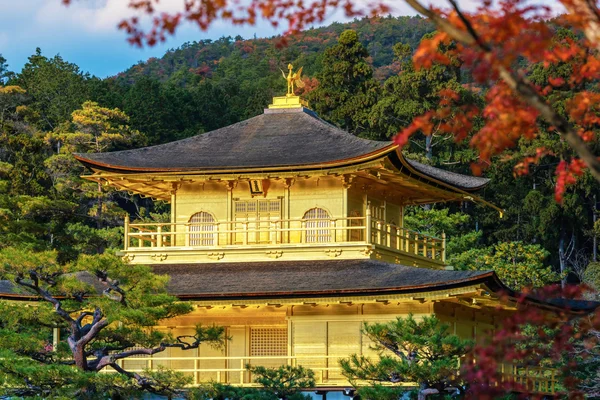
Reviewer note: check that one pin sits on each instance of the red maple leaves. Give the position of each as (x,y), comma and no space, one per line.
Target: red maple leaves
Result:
(496,43)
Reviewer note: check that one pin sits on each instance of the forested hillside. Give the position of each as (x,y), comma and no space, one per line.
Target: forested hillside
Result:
(360,79)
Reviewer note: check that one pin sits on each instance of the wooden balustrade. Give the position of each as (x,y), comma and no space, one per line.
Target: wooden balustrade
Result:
(232,370)
(221,234)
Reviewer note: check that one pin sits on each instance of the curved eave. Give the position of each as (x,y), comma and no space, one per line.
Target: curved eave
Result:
(96,165)
(480,279)
(489,280)
(406,165)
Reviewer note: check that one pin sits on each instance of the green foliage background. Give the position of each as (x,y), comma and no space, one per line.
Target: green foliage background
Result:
(362,79)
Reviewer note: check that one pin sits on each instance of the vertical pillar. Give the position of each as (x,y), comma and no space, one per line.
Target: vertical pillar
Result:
(173,227)
(55,338)
(368,237)
(444,247)
(346,184)
(286,209)
(229,226)
(126,236)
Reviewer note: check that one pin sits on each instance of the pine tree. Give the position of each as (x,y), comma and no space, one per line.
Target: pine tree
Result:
(346,90)
(422,352)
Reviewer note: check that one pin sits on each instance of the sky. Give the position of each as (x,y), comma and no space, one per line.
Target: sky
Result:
(86,33)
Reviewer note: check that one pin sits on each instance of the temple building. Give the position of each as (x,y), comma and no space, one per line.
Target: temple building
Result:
(290,232)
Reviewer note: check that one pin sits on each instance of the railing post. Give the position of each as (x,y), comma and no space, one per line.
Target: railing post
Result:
(407,241)
(273,232)
(126,228)
(334,236)
(187,235)
(245,232)
(388,234)
(425,246)
(159,238)
(416,243)
(242,371)
(216,234)
(303,231)
(196,371)
(368,227)
(443,247)
(379,229)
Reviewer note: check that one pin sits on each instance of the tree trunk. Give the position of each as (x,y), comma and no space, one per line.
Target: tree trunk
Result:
(562,256)
(425,391)
(429,147)
(595,238)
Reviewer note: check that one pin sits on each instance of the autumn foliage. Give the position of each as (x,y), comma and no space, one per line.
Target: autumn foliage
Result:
(492,42)
(559,339)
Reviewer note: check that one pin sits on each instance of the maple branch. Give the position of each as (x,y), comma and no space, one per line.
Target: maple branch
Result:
(518,84)
(588,11)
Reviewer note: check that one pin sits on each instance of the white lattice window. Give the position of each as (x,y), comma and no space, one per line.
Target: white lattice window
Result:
(318,224)
(256,215)
(268,341)
(202,229)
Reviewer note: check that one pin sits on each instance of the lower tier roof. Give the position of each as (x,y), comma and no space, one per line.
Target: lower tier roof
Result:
(302,278)
(306,279)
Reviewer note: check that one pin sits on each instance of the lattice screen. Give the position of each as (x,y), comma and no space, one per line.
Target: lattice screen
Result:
(268,342)
(321,220)
(203,223)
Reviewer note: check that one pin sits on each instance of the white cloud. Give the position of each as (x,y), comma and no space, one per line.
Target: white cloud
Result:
(98,16)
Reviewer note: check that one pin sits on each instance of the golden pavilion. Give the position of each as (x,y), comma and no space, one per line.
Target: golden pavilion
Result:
(289,232)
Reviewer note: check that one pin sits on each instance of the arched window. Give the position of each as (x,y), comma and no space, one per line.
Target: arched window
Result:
(202,229)
(318,222)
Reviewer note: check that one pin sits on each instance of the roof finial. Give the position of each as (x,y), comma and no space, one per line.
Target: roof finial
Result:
(292,78)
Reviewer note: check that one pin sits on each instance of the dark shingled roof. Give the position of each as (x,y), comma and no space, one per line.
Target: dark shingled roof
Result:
(462,181)
(268,279)
(276,139)
(294,279)
(273,139)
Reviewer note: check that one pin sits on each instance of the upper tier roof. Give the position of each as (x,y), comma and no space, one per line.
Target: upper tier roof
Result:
(291,137)
(278,139)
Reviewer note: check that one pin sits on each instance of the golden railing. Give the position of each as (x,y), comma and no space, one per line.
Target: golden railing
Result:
(232,370)
(223,234)
(533,379)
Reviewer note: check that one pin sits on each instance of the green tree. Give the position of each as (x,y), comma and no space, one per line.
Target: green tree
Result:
(106,308)
(346,90)
(518,265)
(284,382)
(423,352)
(5,74)
(458,227)
(55,87)
(93,129)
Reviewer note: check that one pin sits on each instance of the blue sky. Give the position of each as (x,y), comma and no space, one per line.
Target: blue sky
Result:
(86,33)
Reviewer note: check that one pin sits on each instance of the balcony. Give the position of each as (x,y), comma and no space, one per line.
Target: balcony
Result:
(232,370)
(283,239)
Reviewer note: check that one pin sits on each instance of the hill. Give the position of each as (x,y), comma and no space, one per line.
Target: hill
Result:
(208,58)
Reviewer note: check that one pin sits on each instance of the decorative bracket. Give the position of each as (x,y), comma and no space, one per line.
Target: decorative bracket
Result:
(333,252)
(159,256)
(288,182)
(367,252)
(274,254)
(216,256)
(347,181)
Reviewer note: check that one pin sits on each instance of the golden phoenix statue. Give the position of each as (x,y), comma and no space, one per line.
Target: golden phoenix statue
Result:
(293,79)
